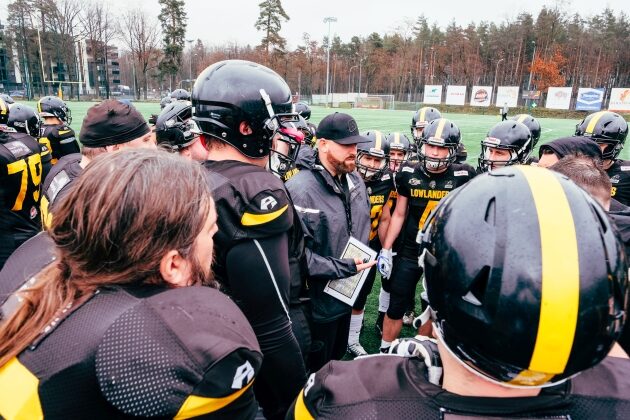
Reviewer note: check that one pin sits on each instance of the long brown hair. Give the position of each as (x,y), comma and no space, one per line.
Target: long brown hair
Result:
(121,216)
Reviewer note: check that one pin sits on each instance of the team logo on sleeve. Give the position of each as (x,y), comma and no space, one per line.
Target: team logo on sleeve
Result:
(244,374)
(415,181)
(268,203)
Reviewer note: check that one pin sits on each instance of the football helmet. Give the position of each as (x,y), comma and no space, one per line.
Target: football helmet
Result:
(512,136)
(165,101)
(303,109)
(180,95)
(524,298)
(606,128)
(4,112)
(397,141)
(375,149)
(440,133)
(232,92)
(52,106)
(7,99)
(461,154)
(531,123)
(420,119)
(174,127)
(24,119)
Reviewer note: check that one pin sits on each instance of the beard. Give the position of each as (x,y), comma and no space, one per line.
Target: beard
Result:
(200,275)
(342,166)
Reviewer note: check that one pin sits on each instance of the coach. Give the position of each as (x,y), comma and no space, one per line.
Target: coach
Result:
(333,205)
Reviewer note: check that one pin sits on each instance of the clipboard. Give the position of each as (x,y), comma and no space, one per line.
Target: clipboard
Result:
(347,289)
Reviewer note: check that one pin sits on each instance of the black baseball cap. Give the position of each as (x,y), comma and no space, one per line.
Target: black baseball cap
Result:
(565,146)
(340,128)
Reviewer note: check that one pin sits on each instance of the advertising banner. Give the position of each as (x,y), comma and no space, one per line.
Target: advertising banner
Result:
(480,96)
(589,99)
(619,99)
(558,98)
(432,94)
(507,94)
(455,95)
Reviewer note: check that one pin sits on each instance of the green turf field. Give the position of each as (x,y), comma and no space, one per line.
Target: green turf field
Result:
(473,127)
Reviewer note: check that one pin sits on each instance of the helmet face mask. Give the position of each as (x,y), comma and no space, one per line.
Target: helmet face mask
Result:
(507,136)
(605,128)
(24,119)
(287,139)
(174,127)
(397,148)
(52,106)
(443,136)
(433,163)
(371,164)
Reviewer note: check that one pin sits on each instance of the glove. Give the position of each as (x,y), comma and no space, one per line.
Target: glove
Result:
(424,348)
(385,263)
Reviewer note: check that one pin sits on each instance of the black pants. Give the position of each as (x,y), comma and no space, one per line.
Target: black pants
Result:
(301,329)
(503,117)
(405,276)
(330,340)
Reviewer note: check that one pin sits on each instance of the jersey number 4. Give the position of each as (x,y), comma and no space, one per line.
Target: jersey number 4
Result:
(427,211)
(34,167)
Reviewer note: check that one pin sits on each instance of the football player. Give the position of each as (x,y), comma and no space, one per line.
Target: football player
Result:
(420,119)
(379,181)
(233,104)
(21,174)
(398,150)
(55,132)
(524,323)
(507,143)
(180,95)
(534,127)
(24,119)
(609,130)
(420,188)
(177,132)
(110,328)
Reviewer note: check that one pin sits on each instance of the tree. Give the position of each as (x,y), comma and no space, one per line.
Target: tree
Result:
(271,12)
(548,72)
(99,31)
(173,19)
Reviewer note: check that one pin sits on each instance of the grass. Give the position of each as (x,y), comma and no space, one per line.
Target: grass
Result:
(473,128)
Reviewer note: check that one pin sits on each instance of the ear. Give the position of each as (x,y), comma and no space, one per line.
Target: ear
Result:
(245,129)
(322,145)
(174,269)
(112,148)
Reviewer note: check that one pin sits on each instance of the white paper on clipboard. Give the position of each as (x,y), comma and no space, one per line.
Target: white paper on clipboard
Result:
(347,289)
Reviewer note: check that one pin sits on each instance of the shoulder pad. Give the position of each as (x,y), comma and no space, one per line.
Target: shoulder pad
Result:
(59,181)
(18,149)
(185,340)
(407,169)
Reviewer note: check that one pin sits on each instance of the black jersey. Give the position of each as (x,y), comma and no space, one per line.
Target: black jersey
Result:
(61,140)
(379,192)
(424,190)
(619,174)
(138,352)
(20,179)
(57,183)
(391,387)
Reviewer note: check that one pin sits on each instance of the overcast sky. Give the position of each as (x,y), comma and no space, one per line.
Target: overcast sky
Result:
(220,21)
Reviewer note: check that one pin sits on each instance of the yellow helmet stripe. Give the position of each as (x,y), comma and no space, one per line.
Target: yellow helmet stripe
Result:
(251,219)
(379,139)
(440,128)
(39,106)
(591,124)
(397,137)
(560,273)
(3,108)
(422,112)
(522,118)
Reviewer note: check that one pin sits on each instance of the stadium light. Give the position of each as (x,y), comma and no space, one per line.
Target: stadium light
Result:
(494,86)
(328,20)
(529,83)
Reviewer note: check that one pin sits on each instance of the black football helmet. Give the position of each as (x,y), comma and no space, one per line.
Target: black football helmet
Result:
(420,119)
(24,119)
(441,133)
(397,141)
(606,128)
(506,135)
(174,127)
(165,101)
(4,112)
(7,99)
(52,106)
(461,154)
(180,95)
(531,123)
(231,92)
(303,109)
(524,298)
(376,149)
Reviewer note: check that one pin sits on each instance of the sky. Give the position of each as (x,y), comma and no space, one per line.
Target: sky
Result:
(218,22)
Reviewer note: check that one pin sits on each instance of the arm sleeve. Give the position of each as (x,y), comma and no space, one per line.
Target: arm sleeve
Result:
(328,268)
(259,279)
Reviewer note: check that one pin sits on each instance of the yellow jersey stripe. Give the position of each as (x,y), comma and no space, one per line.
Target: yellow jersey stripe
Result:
(560,273)
(19,396)
(440,128)
(3,109)
(591,124)
(250,219)
(301,412)
(196,406)
(62,132)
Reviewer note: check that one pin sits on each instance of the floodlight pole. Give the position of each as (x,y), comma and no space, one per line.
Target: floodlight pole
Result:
(328,20)
(494,86)
(190,41)
(349,76)
(529,82)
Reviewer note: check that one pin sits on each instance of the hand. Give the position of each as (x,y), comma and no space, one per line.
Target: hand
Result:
(424,348)
(385,262)
(362,266)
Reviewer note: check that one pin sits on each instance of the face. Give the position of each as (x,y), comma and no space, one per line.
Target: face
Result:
(372,163)
(145,142)
(433,153)
(341,157)
(547,159)
(498,156)
(396,158)
(417,132)
(195,151)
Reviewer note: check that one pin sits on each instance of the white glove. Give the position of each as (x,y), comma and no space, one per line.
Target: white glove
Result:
(424,348)
(385,262)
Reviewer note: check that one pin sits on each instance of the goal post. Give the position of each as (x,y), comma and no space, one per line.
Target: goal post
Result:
(375,102)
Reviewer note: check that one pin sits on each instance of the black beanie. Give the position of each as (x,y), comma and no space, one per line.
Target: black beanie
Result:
(112,122)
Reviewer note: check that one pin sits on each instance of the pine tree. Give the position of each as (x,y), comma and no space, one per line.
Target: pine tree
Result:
(271,12)
(173,20)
